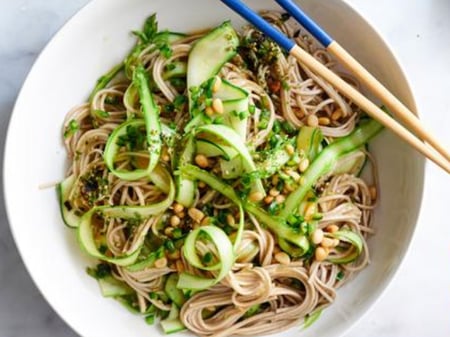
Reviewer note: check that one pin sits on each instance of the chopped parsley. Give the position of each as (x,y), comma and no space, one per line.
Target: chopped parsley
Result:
(71,128)
(101,271)
(101,113)
(134,138)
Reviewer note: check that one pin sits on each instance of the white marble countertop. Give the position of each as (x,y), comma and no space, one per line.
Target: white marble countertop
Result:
(415,304)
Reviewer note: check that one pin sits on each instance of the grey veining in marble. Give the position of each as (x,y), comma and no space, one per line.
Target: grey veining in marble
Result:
(417,302)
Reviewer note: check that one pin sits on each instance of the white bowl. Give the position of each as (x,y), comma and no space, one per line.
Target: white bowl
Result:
(88,45)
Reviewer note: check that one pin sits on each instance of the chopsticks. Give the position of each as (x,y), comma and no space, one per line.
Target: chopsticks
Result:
(433,150)
(380,91)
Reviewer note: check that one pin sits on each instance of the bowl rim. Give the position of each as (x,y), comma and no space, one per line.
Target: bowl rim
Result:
(86,7)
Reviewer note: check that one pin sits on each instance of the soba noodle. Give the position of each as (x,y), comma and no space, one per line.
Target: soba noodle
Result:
(267,290)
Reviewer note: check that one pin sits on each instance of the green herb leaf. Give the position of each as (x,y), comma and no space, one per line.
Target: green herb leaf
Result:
(150,27)
(101,113)
(71,128)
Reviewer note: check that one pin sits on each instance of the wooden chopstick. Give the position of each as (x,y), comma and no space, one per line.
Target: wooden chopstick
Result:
(347,90)
(375,86)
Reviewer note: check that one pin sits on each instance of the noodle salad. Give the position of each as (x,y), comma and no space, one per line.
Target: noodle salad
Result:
(216,181)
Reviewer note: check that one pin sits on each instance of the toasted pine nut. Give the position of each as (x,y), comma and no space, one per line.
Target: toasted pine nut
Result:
(217,105)
(317,236)
(312,121)
(201,160)
(290,149)
(161,263)
(196,214)
(283,258)
(327,242)
(168,231)
(304,164)
(209,111)
(256,196)
(302,181)
(230,220)
(274,192)
(268,200)
(177,208)
(321,253)
(332,228)
(175,255)
(310,211)
(205,222)
(175,221)
(280,199)
(217,84)
(336,114)
(324,121)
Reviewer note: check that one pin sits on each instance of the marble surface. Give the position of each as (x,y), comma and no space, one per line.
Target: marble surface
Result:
(415,304)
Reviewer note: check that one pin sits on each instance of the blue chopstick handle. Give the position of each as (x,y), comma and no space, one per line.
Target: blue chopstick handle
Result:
(240,8)
(306,22)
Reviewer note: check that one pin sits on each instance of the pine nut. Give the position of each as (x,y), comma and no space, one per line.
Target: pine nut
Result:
(317,236)
(336,243)
(268,200)
(201,160)
(196,214)
(175,221)
(283,258)
(336,114)
(168,231)
(290,149)
(205,222)
(294,175)
(289,188)
(324,121)
(256,196)
(230,220)
(327,242)
(161,263)
(177,208)
(310,211)
(274,192)
(217,84)
(302,181)
(201,184)
(304,164)
(321,253)
(175,255)
(312,121)
(217,105)
(332,228)
(209,111)
(280,199)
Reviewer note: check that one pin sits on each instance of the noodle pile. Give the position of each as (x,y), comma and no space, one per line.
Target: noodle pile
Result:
(267,291)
